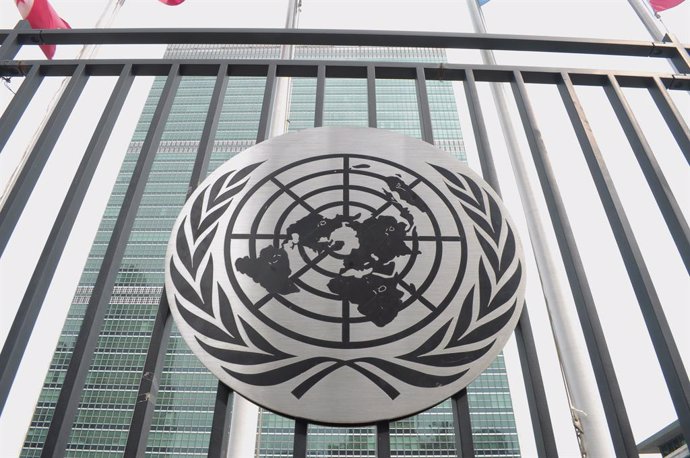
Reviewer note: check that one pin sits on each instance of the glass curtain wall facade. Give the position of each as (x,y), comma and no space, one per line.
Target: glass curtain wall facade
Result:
(184,408)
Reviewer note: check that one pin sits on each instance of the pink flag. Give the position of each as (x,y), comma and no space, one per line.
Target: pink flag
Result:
(41,15)
(661,5)
(172,2)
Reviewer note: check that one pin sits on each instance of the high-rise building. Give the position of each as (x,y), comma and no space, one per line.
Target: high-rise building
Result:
(183,413)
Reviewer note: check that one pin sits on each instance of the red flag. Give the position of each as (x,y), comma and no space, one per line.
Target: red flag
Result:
(172,2)
(41,15)
(661,5)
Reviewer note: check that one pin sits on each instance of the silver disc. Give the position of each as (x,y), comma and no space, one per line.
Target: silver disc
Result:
(345,275)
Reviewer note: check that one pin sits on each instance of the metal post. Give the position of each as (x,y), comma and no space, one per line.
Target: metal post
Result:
(18,104)
(616,417)
(383,439)
(579,380)
(461,412)
(645,17)
(266,105)
(281,94)
(671,114)
(155,357)
(140,424)
(243,428)
(662,338)
(208,135)
(544,437)
(462,425)
(299,445)
(30,307)
(665,199)
(245,415)
(371,95)
(481,136)
(681,61)
(220,428)
(19,194)
(85,345)
(529,361)
(423,107)
(320,94)
(11,45)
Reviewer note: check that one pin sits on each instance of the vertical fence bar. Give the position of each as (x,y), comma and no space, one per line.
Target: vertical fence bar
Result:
(609,391)
(672,116)
(220,428)
(544,437)
(371,95)
(299,444)
(383,439)
(28,177)
(681,61)
(30,307)
(481,135)
(11,45)
(73,384)
(208,135)
(461,408)
(241,404)
(18,104)
(320,95)
(461,412)
(144,406)
(145,402)
(462,425)
(529,360)
(423,106)
(665,346)
(267,105)
(665,199)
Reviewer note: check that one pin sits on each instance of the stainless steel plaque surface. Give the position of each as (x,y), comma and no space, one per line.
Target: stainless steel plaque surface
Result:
(345,275)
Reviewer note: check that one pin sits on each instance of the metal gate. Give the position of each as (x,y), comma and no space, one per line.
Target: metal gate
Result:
(565,80)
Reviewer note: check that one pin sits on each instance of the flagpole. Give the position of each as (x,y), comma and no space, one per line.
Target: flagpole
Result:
(281,94)
(589,420)
(244,423)
(87,51)
(652,22)
(105,20)
(647,19)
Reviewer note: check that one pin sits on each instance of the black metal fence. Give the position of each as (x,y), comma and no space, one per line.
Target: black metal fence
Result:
(565,80)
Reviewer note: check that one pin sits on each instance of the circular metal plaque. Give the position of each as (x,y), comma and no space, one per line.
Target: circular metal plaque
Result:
(345,275)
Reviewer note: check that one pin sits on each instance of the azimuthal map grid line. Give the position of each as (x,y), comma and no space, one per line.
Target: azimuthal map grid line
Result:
(292,194)
(317,259)
(346,214)
(412,291)
(421,238)
(314,229)
(346,321)
(345,204)
(240,236)
(389,203)
(346,186)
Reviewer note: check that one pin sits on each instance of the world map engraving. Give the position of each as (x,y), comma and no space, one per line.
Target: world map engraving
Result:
(368,276)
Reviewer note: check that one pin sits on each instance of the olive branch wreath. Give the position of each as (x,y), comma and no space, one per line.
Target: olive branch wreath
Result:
(499,280)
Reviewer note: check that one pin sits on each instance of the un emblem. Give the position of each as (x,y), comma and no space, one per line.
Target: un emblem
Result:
(345,275)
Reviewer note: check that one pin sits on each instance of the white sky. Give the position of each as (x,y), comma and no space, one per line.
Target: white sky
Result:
(643,389)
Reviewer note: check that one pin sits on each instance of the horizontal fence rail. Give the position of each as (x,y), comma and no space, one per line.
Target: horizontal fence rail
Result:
(343,38)
(658,84)
(349,69)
